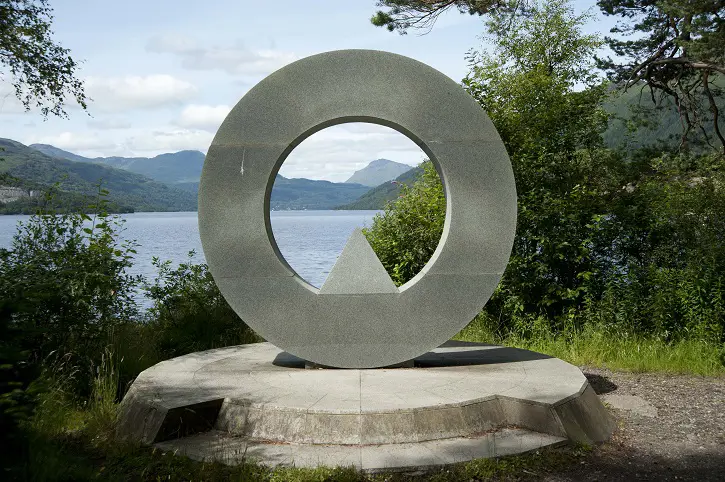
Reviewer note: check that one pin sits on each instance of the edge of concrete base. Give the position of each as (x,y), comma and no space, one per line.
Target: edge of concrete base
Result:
(406,457)
(582,418)
(148,416)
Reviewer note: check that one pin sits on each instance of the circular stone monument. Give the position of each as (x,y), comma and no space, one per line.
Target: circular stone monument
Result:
(454,401)
(358,318)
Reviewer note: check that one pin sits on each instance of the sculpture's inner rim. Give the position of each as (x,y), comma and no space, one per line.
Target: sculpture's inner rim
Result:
(346,120)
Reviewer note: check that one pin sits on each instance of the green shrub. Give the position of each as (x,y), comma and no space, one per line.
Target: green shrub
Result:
(405,236)
(64,286)
(189,313)
(635,244)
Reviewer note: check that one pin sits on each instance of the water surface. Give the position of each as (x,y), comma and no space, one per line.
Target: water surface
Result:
(309,240)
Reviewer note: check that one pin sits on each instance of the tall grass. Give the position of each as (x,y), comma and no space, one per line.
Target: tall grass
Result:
(608,347)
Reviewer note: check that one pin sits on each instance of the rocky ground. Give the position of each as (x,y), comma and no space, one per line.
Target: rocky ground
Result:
(670,428)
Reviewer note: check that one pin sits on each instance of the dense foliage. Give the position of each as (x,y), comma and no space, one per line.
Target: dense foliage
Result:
(406,236)
(602,239)
(64,286)
(71,333)
(189,313)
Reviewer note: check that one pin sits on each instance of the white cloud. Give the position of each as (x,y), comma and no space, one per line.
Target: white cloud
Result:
(137,92)
(109,123)
(235,59)
(129,143)
(169,140)
(205,117)
(336,152)
(75,142)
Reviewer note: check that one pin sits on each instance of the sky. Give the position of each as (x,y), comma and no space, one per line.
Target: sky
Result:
(163,74)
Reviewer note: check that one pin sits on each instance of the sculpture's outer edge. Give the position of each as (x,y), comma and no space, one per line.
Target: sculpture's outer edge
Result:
(354,330)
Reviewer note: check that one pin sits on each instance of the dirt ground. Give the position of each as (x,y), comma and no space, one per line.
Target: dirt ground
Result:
(670,428)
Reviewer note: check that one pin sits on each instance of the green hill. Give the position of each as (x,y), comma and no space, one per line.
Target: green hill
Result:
(169,168)
(378,172)
(29,169)
(378,197)
(310,194)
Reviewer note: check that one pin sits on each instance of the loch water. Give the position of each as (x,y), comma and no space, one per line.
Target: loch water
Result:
(310,241)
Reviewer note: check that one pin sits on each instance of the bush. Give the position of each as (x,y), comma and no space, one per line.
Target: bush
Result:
(405,236)
(189,313)
(64,287)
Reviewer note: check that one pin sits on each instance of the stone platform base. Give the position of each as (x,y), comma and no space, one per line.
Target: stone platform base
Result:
(458,402)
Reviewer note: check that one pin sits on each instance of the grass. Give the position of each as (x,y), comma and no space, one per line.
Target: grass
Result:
(616,350)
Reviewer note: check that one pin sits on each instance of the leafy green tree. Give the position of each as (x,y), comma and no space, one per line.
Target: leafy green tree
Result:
(64,286)
(632,244)
(405,236)
(42,73)
(676,49)
(539,90)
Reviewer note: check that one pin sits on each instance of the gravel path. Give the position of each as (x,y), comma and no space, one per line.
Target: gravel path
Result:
(670,428)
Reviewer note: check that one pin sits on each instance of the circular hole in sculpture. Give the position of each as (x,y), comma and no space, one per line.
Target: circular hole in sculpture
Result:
(349,176)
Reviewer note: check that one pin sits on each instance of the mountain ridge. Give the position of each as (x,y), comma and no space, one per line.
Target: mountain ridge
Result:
(169,168)
(378,172)
(182,170)
(31,170)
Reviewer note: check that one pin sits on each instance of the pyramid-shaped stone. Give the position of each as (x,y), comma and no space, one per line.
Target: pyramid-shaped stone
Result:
(358,270)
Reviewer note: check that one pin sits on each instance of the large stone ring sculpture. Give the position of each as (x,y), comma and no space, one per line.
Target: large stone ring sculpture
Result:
(358,318)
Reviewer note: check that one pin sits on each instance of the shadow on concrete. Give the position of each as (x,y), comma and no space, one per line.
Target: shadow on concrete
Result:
(600,384)
(449,357)
(485,355)
(288,360)
(188,420)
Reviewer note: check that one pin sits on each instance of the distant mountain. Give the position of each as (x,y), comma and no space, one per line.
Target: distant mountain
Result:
(171,168)
(663,127)
(378,197)
(182,170)
(32,171)
(378,172)
(309,194)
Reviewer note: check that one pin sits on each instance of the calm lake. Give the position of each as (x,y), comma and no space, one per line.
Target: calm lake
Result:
(309,240)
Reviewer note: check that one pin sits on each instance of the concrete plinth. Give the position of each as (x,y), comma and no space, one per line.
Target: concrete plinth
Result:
(458,402)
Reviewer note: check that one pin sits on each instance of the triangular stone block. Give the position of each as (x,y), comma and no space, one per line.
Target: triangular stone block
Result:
(358,270)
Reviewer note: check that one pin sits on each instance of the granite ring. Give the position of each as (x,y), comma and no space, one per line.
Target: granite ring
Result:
(357,329)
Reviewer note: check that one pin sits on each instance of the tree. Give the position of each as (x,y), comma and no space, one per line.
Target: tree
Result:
(678,52)
(539,89)
(41,72)
(405,236)
(402,15)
